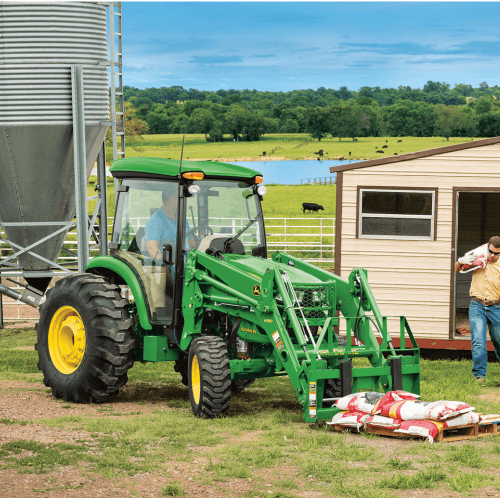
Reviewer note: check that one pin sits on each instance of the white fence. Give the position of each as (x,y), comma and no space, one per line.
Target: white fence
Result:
(310,239)
(306,238)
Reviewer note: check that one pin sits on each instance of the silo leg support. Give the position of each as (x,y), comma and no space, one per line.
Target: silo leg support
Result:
(345,377)
(397,374)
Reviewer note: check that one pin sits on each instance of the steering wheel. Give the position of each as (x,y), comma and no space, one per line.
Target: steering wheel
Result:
(198,228)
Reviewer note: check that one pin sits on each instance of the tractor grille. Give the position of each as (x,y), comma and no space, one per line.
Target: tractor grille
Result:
(316,300)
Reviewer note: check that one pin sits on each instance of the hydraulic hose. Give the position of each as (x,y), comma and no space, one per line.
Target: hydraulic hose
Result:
(233,334)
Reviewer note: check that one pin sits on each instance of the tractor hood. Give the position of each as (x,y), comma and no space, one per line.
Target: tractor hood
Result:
(256,266)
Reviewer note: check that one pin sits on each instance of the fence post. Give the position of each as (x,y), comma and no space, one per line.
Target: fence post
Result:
(284,228)
(1,312)
(321,238)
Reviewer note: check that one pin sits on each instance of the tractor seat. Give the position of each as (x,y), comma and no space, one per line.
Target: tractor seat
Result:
(216,242)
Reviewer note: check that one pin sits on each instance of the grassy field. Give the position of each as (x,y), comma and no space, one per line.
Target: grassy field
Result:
(263,448)
(285,146)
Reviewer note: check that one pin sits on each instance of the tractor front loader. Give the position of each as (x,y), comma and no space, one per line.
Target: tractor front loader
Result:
(189,243)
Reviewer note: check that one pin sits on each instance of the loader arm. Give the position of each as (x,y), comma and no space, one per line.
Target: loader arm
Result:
(292,324)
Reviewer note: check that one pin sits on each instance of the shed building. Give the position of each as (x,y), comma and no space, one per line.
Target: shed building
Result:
(407,219)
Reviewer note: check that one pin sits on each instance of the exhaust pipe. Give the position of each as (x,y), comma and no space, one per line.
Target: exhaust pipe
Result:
(30,296)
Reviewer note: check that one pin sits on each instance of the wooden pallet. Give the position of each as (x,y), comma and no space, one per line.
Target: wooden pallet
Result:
(487,427)
(454,434)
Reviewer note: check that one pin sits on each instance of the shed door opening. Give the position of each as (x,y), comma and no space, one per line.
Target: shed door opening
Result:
(477,222)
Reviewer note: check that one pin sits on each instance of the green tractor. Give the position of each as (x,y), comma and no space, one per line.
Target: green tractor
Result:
(189,243)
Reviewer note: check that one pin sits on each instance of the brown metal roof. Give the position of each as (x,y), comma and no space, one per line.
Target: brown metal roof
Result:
(418,154)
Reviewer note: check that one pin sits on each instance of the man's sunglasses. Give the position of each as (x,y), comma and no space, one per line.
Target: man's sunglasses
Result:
(492,252)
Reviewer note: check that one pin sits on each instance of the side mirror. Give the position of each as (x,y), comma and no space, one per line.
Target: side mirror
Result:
(167,254)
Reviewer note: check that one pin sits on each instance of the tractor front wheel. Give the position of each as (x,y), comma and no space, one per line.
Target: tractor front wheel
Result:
(209,377)
(84,339)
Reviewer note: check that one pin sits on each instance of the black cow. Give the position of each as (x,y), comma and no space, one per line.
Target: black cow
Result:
(384,146)
(311,206)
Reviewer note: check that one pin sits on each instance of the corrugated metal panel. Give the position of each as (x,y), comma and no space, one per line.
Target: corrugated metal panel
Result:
(38,44)
(413,277)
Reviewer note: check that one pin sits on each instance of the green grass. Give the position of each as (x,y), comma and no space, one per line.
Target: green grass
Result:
(422,479)
(264,433)
(173,489)
(287,146)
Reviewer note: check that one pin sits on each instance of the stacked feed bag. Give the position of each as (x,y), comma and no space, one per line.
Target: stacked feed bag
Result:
(402,412)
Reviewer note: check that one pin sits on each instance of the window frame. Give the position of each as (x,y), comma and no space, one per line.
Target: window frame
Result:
(433,217)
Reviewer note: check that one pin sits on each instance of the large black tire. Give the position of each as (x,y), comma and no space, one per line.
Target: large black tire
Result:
(240,385)
(85,339)
(209,377)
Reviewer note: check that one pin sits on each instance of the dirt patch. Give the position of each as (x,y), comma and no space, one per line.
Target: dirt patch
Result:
(492,395)
(26,324)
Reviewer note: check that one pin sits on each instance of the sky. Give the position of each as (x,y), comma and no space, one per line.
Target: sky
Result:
(284,46)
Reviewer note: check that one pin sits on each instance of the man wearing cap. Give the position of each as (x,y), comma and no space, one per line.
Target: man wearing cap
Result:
(484,309)
(161,228)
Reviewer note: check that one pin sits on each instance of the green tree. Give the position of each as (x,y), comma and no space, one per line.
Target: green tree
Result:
(235,119)
(317,122)
(446,119)
(483,105)
(201,121)
(290,126)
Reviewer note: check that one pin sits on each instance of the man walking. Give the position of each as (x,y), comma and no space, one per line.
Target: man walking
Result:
(484,309)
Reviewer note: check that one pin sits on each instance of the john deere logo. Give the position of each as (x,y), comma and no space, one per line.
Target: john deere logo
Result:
(256,290)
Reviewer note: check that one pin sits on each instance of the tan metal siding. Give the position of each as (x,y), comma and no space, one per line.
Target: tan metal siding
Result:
(410,277)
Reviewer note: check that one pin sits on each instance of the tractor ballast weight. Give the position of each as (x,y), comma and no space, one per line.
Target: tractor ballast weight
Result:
(190,244)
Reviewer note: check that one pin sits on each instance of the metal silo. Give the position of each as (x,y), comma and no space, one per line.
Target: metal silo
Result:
(54,114)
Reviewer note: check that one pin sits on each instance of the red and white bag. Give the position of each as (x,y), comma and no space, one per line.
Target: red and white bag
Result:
(405,410)
(423,428)
(360,401)
(444,410)
(393,397)
(383,422)
(464,419)
(354,419)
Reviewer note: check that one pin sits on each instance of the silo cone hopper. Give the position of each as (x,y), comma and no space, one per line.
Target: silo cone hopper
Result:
(38,185)
(42,44)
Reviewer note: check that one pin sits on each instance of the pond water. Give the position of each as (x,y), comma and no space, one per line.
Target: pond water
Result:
(287,171)
(294,171)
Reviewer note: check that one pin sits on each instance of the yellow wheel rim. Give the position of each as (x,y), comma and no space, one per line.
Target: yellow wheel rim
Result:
(195,379)
(66,339)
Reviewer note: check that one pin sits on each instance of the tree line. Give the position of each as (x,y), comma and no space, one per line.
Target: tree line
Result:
(437,109)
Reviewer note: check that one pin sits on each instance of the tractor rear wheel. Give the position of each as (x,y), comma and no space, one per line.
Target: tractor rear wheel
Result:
(84,339)
(209,377)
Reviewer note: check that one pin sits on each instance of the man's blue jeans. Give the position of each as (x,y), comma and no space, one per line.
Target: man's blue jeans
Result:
(481,316)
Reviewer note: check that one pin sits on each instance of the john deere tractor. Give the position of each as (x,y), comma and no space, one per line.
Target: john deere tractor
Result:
(189,243)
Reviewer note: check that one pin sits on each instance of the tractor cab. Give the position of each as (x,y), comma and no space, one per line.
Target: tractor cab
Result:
(162,213)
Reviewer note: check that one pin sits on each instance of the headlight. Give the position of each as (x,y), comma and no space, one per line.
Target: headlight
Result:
(262,190)
(194,189)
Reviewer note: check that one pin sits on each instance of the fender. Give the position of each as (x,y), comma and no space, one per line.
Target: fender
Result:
(123,270)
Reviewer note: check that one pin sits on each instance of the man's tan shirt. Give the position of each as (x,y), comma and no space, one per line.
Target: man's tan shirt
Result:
(486,282)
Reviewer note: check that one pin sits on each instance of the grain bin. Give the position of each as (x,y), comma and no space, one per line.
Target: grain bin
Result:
(40,43)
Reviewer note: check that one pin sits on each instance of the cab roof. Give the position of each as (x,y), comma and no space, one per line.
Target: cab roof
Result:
(159,167)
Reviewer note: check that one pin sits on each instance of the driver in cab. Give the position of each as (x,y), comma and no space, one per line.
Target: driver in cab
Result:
(161,228)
